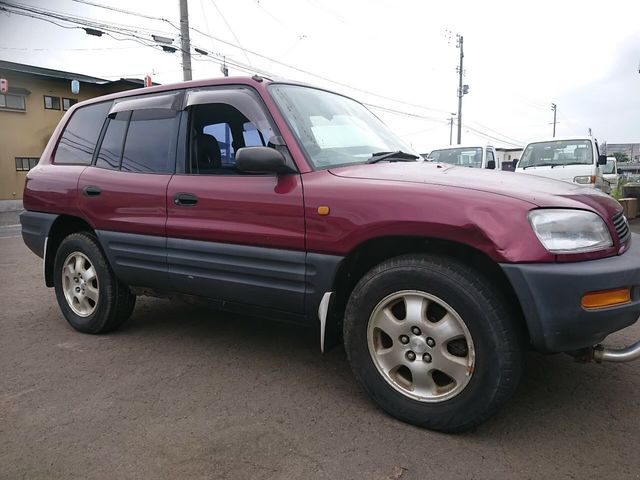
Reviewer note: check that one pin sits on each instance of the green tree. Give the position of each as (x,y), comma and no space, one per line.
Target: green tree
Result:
(621,157)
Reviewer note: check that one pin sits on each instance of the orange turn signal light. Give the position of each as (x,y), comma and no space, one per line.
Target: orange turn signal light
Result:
(606,298)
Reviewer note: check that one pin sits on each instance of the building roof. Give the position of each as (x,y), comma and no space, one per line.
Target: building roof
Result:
(62,75)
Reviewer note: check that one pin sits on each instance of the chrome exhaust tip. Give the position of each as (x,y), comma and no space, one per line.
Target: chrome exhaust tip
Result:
(619,355)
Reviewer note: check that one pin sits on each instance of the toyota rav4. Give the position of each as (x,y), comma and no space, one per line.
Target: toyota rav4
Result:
(286,201)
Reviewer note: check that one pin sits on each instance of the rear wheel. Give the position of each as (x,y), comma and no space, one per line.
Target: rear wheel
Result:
(91,298)
(432,343)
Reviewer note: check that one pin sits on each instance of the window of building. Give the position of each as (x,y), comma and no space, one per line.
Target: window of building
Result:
(150,146)
(24,164)
(111,147)
(81,134)
(67,103)
(51,103)
(12,101)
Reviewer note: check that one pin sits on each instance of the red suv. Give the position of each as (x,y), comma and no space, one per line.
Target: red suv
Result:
(292,202)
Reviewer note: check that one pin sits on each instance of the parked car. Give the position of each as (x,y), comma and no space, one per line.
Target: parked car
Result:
(474,156)
(610,173)
(292,202)
(575,160)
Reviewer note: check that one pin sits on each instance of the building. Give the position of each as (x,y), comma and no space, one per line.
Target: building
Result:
(631,150)
(36,100)
(506,155)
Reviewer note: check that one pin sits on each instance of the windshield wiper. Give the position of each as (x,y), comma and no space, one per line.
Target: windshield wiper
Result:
(539,165)
(397,156)
(574,163)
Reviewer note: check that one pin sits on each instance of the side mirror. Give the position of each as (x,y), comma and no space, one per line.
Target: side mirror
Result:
(491,164)
(602,160)
(261,160)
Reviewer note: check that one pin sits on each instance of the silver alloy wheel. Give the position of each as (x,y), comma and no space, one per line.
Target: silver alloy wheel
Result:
(80,284)
(421,346)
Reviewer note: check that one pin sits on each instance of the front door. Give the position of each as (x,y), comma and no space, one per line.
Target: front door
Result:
(232,236)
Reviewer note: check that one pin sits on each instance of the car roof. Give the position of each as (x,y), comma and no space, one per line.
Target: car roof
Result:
(560,139)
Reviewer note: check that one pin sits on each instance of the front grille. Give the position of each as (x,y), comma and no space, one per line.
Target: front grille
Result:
(622,228)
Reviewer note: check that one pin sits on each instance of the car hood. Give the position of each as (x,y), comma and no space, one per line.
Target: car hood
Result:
(539,191)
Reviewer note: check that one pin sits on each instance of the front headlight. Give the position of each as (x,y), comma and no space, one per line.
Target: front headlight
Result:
(570,231)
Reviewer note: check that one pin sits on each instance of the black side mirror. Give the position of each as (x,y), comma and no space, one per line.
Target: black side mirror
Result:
(491,164)
(261,160)
(602,160)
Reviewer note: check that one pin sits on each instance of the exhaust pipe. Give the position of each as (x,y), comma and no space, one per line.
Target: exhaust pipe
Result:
(604,354)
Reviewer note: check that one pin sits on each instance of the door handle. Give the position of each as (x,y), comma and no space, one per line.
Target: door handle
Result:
(185,199)
(91,191)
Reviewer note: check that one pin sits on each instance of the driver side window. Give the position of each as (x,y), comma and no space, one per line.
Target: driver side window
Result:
(217,130)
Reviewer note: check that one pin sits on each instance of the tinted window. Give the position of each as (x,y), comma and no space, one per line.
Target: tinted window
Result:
(81,134)
(151,141)
(111,146)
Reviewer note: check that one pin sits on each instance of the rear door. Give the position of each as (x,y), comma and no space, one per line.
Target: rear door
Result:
(123,194)
(233,236)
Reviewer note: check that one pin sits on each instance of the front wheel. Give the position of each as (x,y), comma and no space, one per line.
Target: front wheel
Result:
(90,296)
(432,342)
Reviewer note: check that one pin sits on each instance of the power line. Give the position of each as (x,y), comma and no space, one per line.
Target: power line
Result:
(491,137)
(120,28)
(498,133)
(128,12)
(231,30)
(131,34)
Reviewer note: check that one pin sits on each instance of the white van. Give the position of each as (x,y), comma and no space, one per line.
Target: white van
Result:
(474,156)
(574,160)
(610,173)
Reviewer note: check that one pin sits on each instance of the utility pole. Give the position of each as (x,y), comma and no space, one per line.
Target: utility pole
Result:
(451,128)
(553,109)
(185,43)
(460,94)
(460,89)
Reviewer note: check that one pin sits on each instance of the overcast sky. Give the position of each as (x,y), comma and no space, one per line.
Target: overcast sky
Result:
(519,57)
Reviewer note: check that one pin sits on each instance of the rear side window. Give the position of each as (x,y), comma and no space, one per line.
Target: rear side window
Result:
(151,141)
(111,146)
(78,141)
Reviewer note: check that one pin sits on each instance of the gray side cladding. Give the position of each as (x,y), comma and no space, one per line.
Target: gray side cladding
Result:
(139,260)
(266,277)
(35,229)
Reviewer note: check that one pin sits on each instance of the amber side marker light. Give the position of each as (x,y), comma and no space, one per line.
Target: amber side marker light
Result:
(606,298)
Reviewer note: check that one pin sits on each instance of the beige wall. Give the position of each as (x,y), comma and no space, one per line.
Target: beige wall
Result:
(25,134)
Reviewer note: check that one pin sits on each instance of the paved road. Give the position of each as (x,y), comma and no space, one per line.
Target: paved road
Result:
(183,392)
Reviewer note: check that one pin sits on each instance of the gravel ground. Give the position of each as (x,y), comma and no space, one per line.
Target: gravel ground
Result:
(185,392)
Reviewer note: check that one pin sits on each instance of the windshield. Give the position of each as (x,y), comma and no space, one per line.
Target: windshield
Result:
(332,129)
(610,167)
(557,153)
(465,157)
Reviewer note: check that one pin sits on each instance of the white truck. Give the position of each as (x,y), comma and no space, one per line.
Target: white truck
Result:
(474,156)
(574,159)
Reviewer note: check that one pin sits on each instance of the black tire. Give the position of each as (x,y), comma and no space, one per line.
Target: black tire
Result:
(115,301)
(496,335)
